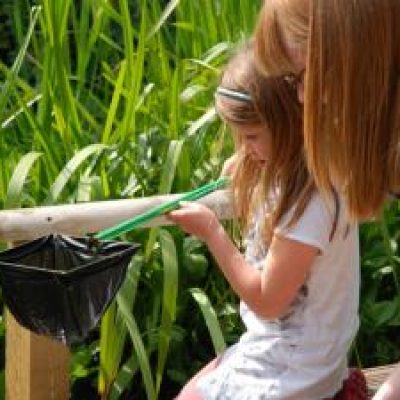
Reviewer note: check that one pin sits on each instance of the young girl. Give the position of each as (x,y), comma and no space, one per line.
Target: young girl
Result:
(299,279)
(344,57)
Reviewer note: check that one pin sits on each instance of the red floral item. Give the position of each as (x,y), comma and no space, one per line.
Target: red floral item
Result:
(354,387)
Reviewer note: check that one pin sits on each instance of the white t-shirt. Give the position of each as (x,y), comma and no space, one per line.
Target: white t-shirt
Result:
(303,355)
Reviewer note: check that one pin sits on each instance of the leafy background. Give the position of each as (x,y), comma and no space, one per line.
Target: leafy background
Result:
(107,99)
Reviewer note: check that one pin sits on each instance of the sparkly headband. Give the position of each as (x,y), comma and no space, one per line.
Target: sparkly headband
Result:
(233,94)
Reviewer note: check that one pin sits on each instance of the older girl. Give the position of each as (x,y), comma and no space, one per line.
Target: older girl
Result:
(344,59)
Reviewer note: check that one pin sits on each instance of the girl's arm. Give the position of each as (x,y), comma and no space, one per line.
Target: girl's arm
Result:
(390,390)
(268,293)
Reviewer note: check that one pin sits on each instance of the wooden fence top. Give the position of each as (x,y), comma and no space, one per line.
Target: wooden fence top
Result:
(91,217)
(377,375)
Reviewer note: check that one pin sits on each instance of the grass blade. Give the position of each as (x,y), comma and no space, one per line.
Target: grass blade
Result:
(18,179)
(167,178)
(113,330)
(4,96)
(139,348)
(114,104)
(170,293)
(72,165)
(169,9)
(124,378)
(210,318)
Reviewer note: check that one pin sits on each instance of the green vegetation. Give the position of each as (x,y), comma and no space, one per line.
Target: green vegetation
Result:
(106,99)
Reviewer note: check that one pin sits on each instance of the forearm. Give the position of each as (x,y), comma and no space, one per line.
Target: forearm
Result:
(390,390)
(244,279)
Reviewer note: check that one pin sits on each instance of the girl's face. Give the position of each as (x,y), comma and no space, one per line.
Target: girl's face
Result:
(256,140)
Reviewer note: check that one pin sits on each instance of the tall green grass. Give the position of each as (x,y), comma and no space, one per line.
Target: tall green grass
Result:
(114,99)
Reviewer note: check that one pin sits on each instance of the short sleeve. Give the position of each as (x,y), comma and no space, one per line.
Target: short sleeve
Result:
(313,227)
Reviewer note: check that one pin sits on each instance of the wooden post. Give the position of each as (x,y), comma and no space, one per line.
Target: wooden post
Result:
(37,367)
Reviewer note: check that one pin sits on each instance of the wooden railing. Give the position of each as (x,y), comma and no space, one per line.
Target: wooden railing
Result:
(376,376)
(37,368)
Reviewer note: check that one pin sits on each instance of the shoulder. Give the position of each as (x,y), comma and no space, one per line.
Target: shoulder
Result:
(321,217)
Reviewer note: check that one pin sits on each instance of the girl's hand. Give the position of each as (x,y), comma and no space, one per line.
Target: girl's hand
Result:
(196,219)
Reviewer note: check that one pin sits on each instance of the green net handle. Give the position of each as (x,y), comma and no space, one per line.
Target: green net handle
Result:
(128,225)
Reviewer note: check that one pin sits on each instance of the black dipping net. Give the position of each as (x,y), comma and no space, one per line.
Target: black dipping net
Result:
(60,286)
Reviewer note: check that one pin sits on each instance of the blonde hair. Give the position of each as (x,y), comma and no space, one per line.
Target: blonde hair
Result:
(271,53)
(352,91)
(274,104)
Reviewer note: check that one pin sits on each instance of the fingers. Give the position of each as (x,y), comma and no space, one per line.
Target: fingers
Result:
(179,213)
(173,216)
(186,204)
(188,210)
(187,207)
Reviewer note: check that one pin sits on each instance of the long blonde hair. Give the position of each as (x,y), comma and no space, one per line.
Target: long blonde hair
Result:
(274,104)
(352,91)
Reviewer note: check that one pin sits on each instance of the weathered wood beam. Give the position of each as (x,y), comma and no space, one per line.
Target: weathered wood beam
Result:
(82,218)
